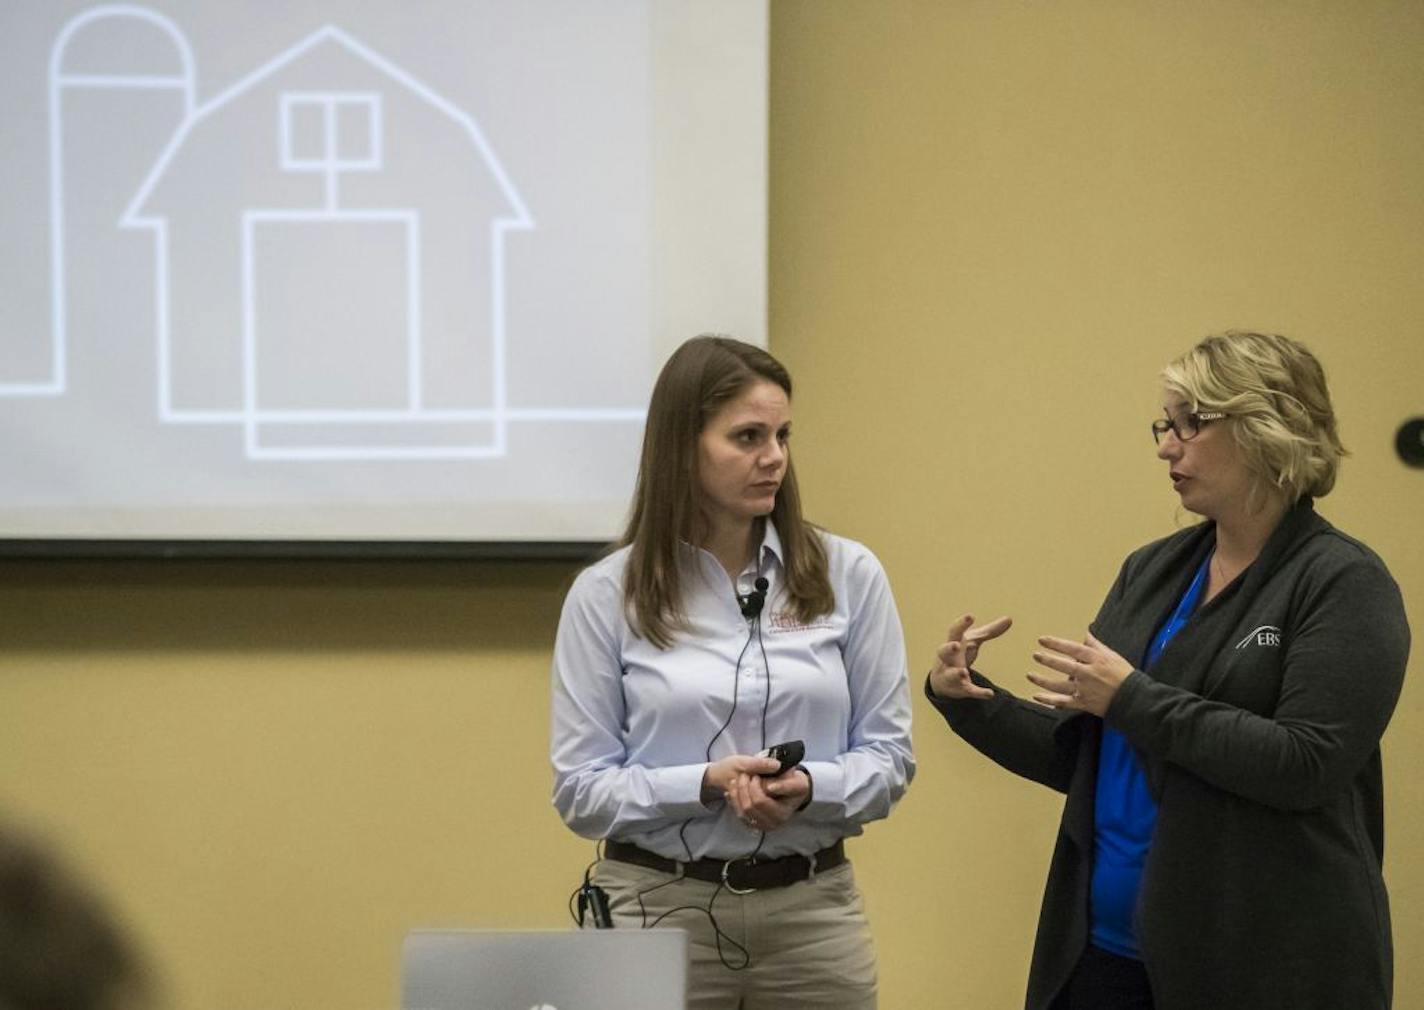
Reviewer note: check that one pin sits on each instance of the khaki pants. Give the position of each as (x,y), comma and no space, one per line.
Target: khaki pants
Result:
(809,944)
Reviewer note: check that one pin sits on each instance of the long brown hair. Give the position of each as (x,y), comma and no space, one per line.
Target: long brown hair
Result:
(703,375)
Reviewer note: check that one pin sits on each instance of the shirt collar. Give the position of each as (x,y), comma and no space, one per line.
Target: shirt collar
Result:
(771,548)
(771,543)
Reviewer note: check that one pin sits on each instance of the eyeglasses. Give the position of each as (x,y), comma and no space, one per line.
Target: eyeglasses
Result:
(1187,427)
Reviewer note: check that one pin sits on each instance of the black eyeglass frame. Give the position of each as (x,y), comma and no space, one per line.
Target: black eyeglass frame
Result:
(1197,418)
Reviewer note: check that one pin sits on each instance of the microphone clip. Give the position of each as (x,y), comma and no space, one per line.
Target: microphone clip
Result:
(752,602)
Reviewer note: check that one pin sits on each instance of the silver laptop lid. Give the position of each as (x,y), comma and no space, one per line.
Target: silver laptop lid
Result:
(593,969)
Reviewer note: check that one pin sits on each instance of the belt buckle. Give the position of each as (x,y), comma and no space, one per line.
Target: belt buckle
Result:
(726,875)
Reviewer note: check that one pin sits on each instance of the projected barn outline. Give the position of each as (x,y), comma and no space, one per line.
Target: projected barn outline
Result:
(414,425)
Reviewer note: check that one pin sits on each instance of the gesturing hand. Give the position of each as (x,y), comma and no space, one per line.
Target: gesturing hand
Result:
(1090,674)
(950,676)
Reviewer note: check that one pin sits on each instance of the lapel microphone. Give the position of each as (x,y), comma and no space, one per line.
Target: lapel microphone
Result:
(752,603)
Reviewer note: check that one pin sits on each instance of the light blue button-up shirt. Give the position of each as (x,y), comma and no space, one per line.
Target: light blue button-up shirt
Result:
(632,722)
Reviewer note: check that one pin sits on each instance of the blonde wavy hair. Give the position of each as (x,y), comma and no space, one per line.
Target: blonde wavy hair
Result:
(1273,391)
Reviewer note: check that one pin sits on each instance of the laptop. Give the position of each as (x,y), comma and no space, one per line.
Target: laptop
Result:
(592,969)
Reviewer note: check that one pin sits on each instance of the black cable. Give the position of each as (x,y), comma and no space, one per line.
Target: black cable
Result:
(719,935)
(754,630)
(587,882)
(766,669)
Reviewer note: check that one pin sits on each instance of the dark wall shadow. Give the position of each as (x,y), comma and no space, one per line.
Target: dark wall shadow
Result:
(287,605)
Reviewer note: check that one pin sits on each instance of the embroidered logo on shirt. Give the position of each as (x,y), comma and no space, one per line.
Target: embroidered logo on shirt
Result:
(785,620)
(1267,636)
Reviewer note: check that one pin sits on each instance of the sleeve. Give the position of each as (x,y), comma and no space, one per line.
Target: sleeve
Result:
(596,792)
(863,783)
(1039,743)
(1343,671)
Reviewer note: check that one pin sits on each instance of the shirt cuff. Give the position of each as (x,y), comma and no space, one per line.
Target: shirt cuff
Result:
(1125,700)
(828,793)
(677,790)
(810,787)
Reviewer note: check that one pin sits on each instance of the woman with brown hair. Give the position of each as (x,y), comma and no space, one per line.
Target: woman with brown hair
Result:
(723,625)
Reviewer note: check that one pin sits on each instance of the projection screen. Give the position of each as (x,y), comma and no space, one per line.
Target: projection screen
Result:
(339,272)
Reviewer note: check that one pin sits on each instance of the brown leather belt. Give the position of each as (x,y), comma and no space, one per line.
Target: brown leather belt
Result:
(741,875)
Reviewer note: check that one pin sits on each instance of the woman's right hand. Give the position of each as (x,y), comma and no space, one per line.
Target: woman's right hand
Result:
(950,676)
(721,775)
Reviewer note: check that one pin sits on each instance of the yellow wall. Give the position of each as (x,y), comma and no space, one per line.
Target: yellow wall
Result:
(992,222)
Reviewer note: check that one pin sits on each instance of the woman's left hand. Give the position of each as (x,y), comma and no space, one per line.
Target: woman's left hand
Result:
(1090,674)
(765,804)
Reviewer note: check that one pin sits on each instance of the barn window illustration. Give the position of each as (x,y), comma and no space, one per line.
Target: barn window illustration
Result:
(293,218)
(330,134)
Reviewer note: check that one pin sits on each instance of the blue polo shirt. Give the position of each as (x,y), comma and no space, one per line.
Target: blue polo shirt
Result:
(1124,812)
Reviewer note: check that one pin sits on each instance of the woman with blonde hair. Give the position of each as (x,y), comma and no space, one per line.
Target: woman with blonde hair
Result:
(1217,732)
(723,625)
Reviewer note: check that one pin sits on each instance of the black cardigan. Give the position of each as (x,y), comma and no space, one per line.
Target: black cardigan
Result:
(1259,731)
